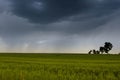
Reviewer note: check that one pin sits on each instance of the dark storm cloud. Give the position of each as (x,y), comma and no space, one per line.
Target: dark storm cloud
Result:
(58,24)
(64,16)
(50,11)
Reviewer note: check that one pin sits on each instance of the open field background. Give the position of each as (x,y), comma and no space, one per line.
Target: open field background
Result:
(59,67)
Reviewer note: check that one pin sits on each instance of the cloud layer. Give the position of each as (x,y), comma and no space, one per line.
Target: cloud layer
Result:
(74,15)
(50,11)
(58,25)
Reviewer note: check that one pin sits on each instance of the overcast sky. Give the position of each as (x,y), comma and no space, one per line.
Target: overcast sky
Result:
(59,25)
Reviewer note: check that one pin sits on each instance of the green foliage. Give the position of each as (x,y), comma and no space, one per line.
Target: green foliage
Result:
(59,67)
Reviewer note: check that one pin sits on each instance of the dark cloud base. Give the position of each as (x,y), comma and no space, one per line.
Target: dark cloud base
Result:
(50,11)
(65,16)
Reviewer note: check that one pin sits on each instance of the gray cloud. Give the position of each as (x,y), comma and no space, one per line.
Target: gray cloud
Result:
(50,11)
(76,16)
(69,17)
(60,24)
(4,6)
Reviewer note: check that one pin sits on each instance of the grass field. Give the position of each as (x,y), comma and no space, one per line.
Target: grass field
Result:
(59,67)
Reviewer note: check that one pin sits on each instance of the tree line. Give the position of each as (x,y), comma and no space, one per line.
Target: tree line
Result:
(103,49)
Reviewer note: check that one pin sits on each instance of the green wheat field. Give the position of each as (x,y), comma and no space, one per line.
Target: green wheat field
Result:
(59,67)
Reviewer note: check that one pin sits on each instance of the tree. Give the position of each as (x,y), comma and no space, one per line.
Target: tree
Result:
(108,46)
(98,52)
(102,50)
(94,51)
(90,52)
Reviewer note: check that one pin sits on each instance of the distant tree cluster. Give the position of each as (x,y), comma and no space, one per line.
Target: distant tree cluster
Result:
(94,51)
(105,49)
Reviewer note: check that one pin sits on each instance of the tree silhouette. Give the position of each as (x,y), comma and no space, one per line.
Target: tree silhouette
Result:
(107,47)
(98,52)
(94,51)
(90,52)
(102,50)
